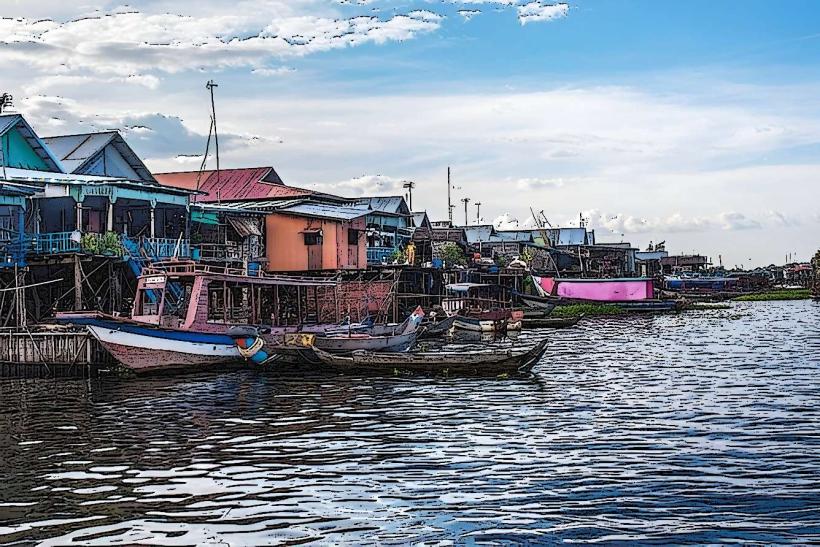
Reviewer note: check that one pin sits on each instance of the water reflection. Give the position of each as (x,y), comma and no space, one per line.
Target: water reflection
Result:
(701,427)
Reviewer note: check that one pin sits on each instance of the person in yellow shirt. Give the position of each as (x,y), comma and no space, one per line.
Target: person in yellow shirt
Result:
(410,251)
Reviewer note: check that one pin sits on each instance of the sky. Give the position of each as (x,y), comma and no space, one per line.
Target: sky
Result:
(695,123)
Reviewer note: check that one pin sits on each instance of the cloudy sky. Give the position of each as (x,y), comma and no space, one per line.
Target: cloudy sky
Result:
(697,122)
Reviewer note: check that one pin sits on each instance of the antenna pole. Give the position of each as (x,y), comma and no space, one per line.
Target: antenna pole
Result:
(478,212)
(211,85)
(449,201)
(409,185)
(465,201)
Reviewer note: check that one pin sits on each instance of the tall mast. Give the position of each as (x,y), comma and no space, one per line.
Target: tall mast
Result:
(449,201)
(465,201)
(211,85)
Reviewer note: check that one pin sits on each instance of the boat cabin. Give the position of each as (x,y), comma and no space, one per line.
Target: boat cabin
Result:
(193,296)
(463,297)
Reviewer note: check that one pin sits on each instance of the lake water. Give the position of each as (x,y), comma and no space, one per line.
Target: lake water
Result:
(701,427)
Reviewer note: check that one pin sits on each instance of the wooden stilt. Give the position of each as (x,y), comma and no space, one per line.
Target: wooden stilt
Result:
(78,284)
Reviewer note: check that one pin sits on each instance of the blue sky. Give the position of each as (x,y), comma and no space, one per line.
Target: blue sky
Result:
(693,122)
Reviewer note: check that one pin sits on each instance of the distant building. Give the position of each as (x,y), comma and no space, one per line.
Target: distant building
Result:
(684,263)
(389,223)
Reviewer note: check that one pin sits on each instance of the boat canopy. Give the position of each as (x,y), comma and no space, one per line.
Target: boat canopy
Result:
(464,287)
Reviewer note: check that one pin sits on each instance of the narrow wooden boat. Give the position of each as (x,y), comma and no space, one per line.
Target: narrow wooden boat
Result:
(552,322)
(440,328)
(651,305)
(394,339)
(480,363)
(546,303)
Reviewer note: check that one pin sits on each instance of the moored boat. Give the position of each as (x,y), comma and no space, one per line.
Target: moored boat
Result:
(552,322)
(187,315)
(479,308)
(545,303)
(392,339)
(480,363)
(596,290)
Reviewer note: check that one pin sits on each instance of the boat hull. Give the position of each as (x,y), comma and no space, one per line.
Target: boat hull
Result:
(347,344)
(480,325)
(473,364)
(545,304)
(148,349)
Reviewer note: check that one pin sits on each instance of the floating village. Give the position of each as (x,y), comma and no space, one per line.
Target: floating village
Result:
(107,266)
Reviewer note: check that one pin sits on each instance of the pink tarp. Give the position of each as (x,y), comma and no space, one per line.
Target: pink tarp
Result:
(600,290)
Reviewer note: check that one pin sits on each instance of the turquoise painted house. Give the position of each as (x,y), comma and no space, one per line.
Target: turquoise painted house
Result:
(389,225)
(87,194)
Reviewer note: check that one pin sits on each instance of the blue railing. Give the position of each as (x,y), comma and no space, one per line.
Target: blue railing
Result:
(55,243)
(155,248)
(378,255)
(161,247)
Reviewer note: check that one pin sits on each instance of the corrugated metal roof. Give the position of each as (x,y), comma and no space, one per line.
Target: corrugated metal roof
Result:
(11,189)
(420,220)
(264,206)
(479,233)
(9,121)
(233,184)
(524,236)
(323,210)
(45,177)
(568,236)
(75,151)
(384,204)
(226,208)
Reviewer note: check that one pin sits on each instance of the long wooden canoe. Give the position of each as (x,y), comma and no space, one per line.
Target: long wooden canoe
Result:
(480,363)
(551,322)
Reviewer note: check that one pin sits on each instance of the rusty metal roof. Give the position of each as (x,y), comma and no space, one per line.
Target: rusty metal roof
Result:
(234,184)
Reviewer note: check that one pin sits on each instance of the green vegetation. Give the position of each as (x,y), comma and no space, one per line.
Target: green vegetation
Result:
(573,310)
(397,256)
(782,294)
(452,255)
(102,244)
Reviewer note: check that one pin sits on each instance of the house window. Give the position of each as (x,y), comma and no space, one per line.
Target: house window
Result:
(352,237)
(313,238)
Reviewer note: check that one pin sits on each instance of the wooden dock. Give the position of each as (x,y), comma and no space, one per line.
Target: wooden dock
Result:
(48,353)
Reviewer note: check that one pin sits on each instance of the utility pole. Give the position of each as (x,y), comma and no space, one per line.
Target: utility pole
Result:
(449,200)
(477,212)
(465,201)
(409,185)
(210,87)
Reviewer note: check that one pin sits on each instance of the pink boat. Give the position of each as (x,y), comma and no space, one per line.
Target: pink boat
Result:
(597,290)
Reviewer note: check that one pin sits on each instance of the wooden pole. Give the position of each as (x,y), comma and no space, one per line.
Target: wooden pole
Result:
(78,284)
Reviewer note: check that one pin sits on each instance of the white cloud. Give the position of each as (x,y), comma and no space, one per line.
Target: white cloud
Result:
(538,183)
(538,10)
(151,134)
(365,185)
(468,14)
(134,44)
(509,222)
(277,71)
(780,219)
(738,221)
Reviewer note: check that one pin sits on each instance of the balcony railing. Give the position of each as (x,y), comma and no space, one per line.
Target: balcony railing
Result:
(108,244)
(379,255)
(55,243)
(161,247)
(227,252)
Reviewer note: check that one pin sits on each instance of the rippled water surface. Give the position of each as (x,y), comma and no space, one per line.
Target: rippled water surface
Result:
(701,427)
